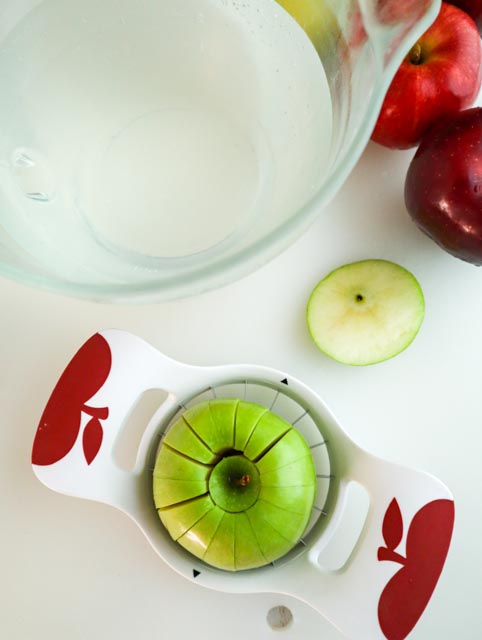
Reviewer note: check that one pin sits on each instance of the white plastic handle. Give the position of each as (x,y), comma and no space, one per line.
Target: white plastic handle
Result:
(75,439)
(386,584)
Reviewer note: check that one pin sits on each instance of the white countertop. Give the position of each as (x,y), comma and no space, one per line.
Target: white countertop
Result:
(76,569)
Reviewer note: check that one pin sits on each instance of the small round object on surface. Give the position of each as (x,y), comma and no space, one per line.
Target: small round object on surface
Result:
(365,312)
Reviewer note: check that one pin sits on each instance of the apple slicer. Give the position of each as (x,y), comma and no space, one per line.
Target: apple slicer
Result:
(383,587)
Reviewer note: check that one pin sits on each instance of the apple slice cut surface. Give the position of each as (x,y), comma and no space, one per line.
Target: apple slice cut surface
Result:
(365,312)
(234,484)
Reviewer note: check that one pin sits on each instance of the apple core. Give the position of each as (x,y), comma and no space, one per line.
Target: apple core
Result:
(234,484)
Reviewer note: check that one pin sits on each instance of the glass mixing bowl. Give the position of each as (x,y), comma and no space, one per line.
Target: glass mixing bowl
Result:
(155,149)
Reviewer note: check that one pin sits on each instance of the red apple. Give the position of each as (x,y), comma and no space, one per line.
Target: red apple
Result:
(357,35)
(443,187)
(473,8)
(399,11)
(441,75)
(428,539)
(60,422)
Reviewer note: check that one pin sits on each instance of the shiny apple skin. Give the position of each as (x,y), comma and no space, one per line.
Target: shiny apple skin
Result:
(473,8)
(443,186)
(445,80)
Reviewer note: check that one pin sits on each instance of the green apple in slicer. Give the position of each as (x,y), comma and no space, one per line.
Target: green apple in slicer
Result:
(365,312)
(234,484)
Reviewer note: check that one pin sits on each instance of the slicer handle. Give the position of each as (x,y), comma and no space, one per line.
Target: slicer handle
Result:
(384,587)
(74,443)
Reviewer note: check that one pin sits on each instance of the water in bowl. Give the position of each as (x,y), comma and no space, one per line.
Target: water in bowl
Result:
(155,130)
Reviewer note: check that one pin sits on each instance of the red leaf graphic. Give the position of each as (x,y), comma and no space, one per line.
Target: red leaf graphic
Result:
(392,527)
(102,413)
(92,439)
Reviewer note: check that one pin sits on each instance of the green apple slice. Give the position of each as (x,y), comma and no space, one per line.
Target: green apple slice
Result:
(290,448)
(297,499)
(168,492)
(182,438)
(220,552)
(198,538)
(247,417)
(296,474)
(272,544)
(247,552)
(288,524)
(181,517)
(223,411)
(365,312)
(213,422)
(234,484)
(172,465)
(269,429)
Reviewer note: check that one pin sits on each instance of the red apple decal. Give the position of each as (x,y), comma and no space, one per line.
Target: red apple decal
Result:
(428,539)
(440,76)
(60,422)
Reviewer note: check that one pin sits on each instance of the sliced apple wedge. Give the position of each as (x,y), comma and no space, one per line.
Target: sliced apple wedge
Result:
(365,312)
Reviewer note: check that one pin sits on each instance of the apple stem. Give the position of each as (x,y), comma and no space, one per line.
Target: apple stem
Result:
(390,555)
(243,481)
(415,55)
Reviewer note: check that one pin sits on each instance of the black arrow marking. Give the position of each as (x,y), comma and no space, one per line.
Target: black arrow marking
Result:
(196,573)
(285,381)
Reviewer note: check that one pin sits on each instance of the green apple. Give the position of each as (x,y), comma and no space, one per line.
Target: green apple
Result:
(365,312)
(234,484)
(318,21)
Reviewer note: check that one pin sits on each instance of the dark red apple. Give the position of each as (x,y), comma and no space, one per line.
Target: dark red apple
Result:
(443,187)
(440,76)
(60,422)
(406,596)
(473,8)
